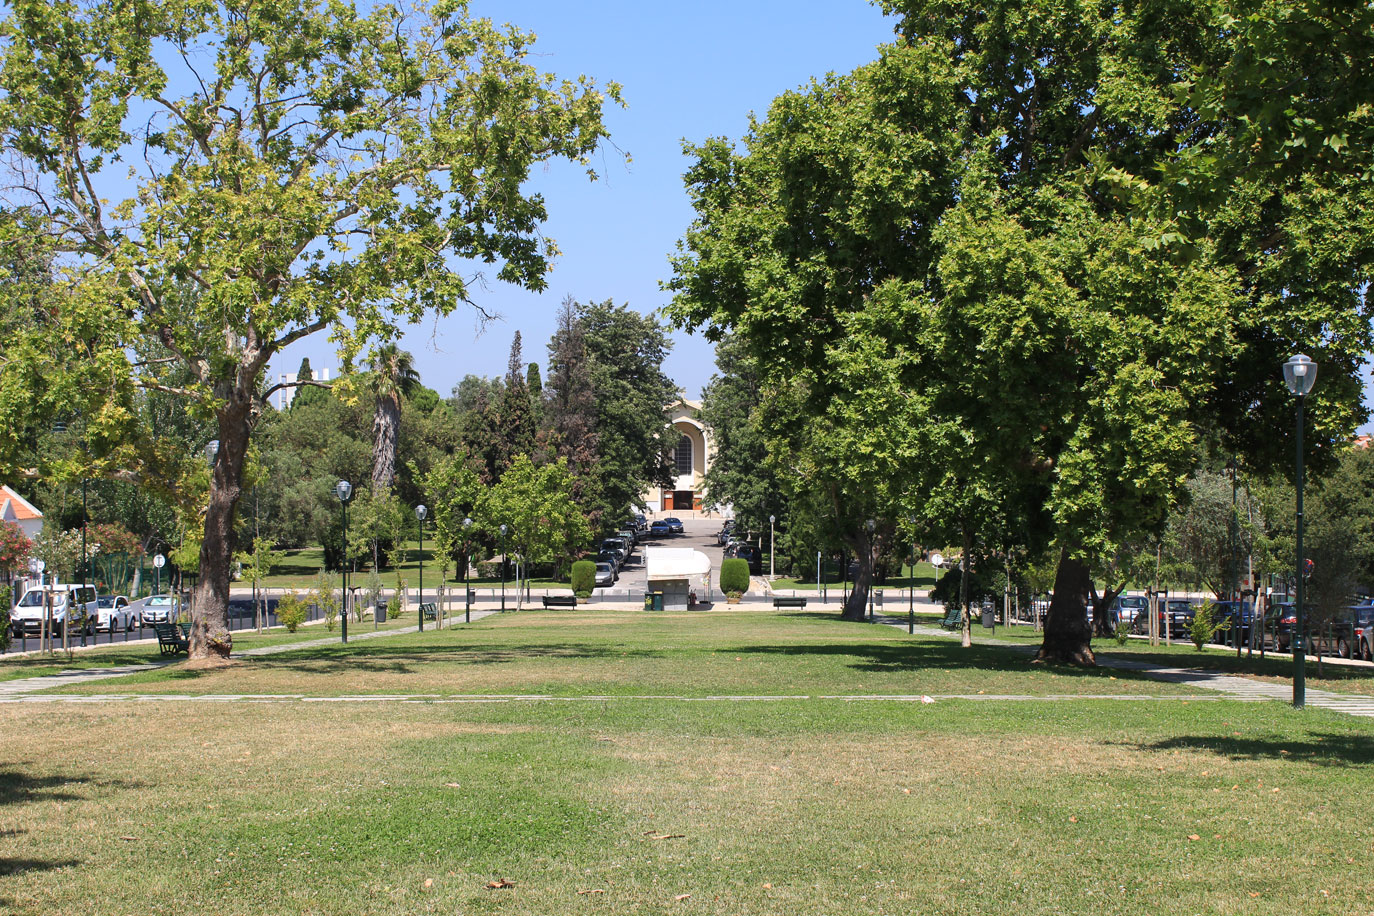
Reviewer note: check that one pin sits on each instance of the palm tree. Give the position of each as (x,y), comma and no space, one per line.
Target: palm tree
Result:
(393,378)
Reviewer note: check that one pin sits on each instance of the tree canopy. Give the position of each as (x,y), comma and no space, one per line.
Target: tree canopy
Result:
(297,167)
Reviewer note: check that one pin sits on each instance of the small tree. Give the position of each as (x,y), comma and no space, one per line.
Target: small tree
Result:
(258,563)
(15,548)
(1205,624)
(326,598)
(734,577)
(583,578)
(291,611)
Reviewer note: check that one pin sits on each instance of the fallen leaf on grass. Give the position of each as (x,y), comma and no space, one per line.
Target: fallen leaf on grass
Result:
(1194,836)
(500,884)
(926,700)
(129,839)
(683,897)
(452,785)
(593,890)
(1254,893)
(665,836)
(1275,789)
(429,882)
(906,791)
(1073,820)
(768,887)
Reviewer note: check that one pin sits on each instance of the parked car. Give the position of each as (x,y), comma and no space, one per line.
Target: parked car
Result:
(605,575)
(1364,632)
(726,530)
(674,525)
(1175,616)
(641,523)
(660,529)
(160,609)
(1239,616)
(113,614)
(611,557)
(1130,607)
(748,552)
(60,603)
(617,545)
(629,537)
(1285,620)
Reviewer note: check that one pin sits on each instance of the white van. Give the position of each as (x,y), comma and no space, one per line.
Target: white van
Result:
(61,602)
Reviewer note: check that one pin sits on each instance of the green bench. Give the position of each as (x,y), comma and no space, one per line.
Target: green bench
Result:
(954,618)
(172,638)
(429,611)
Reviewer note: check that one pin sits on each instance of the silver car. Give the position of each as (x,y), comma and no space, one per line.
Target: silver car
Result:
(160,609)
(605,575)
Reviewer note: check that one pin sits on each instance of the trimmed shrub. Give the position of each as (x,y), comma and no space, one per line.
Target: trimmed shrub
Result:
(734,576)
(291,611)
(583,578)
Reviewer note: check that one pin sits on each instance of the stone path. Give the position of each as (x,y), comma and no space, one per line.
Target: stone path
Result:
(1231,685)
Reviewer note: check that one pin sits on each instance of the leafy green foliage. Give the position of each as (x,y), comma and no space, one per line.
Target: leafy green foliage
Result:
(583,578)
(1206,623)
(325,596)
(291,611)
(734,576)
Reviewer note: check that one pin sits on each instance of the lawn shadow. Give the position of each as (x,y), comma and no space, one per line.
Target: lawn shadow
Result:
(391,659)
(18,786)
(1322,749)
(909,656)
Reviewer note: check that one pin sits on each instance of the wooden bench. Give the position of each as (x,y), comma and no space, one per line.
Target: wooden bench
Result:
(429,611)
(789,602)
(172,639)
(560,601)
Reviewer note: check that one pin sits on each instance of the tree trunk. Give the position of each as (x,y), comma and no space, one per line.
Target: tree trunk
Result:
(856,607)
(966,573)
(210,636)
(1067,635)
(1102,623)
(385,423)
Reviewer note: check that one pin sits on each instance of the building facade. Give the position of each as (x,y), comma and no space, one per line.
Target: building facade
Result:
(689,459)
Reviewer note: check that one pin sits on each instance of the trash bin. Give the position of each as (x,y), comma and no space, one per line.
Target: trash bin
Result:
(653,601)
(988,619)
(379,612)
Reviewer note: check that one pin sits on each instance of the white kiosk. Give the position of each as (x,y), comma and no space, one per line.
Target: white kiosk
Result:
(678,572)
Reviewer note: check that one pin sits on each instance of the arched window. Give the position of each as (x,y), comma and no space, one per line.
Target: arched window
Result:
(682,456)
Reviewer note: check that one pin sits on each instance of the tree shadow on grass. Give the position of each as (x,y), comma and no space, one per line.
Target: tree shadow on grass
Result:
(1318,748)
(19,786)
(899,657)
(384,659)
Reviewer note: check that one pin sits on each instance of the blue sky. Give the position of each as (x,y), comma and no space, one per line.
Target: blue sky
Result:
(689,72)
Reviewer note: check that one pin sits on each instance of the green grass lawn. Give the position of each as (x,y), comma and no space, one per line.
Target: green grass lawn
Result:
(621,796)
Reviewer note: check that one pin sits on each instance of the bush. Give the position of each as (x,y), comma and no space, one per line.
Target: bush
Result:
(393,607)
(583,578)
(326,598)
(291,611)
(488,569)
(1205,624)
(734,576)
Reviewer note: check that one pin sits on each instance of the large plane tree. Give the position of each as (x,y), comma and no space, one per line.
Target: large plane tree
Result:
(216,181)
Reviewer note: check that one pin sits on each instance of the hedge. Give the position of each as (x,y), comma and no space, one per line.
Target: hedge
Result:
(583,578)
(734,575)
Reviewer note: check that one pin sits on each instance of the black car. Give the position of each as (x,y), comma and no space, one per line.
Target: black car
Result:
(749,553)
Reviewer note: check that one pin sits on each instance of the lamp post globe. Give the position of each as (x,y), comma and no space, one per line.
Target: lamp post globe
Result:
(1299,374)
(211,450)
(343,491)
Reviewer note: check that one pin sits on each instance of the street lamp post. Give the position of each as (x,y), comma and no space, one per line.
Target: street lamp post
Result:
(503,568)
(467,571)
(84,561)
(420,513)
(1299,374)
(343,490)
(772,519)
(159,561)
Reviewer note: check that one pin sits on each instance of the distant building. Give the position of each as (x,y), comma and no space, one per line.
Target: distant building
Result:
(1362,441)
(286,395)
(689,460)
(17,509)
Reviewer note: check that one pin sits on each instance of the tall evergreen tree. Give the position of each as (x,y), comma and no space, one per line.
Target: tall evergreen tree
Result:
(570,429)
(514,419)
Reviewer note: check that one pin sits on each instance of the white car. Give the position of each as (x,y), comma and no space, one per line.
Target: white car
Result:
(58,603)
(113,614)
(160,609)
